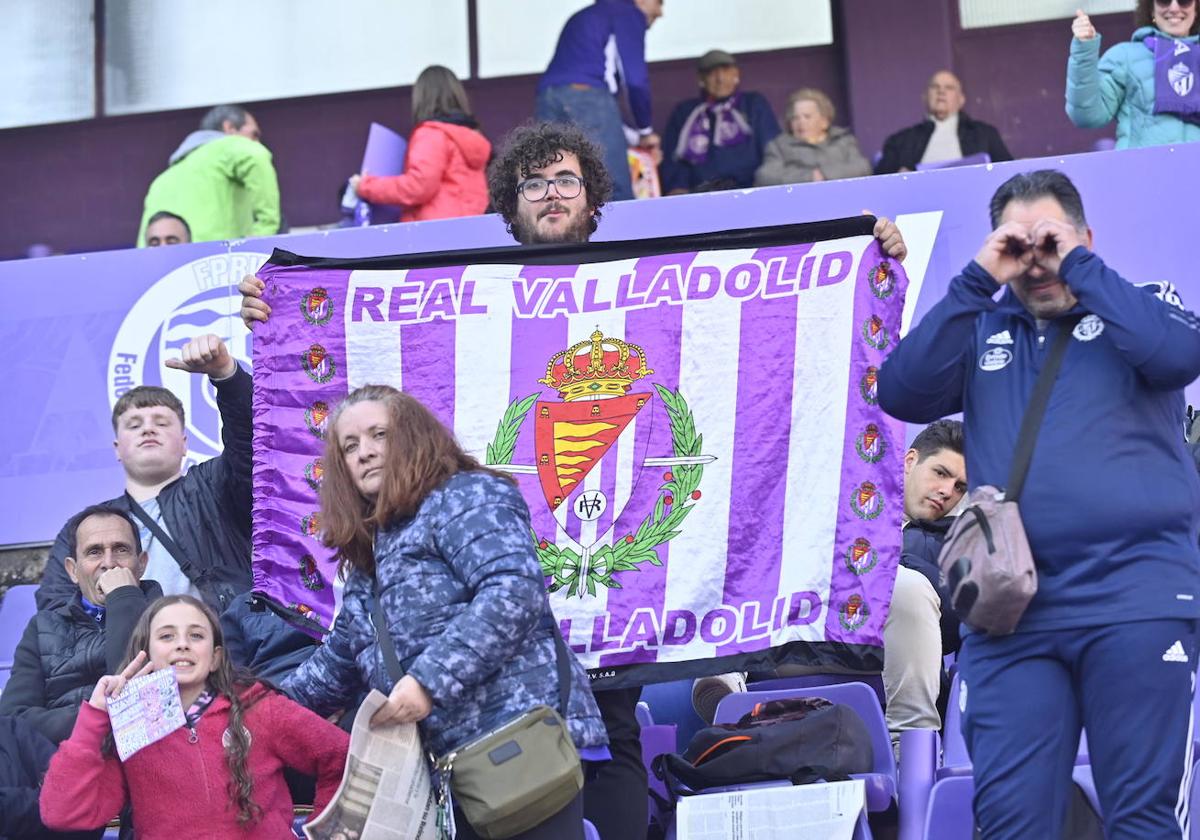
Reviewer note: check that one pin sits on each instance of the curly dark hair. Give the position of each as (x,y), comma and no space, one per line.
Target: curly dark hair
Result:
(1143,15)
(534,145)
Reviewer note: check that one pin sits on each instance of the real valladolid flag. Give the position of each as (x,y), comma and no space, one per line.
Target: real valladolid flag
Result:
(692,420)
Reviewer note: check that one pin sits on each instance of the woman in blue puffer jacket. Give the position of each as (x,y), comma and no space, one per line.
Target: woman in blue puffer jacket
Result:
(445,545)
(1121,83)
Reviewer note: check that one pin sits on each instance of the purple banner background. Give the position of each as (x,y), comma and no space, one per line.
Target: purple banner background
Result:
(65,313)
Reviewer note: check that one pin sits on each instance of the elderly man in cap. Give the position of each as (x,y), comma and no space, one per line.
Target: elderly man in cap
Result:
(715,141)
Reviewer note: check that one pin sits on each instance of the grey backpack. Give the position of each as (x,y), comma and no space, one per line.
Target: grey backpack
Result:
(986,562)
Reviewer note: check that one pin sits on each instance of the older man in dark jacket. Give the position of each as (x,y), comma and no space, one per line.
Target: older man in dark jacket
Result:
(946,133)
(195,526)
(66,649)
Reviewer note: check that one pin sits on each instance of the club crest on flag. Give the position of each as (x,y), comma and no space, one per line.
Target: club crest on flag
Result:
(882,280)
(867,503)
(310,575)
(310,524)
(591,432)
(316,307)
(870,444)
(861,557)
(868,386)
(875,333)
(314,471)
(318,364)
(854,613)
(316,416)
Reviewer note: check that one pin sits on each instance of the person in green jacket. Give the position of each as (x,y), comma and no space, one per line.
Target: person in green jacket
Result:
(220,179)
(1121,84)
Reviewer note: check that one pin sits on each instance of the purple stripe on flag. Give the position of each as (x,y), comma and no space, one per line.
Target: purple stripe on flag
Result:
(291,396)
(871,503)
(658,332)
(534,342)
(427,349)
(760,454)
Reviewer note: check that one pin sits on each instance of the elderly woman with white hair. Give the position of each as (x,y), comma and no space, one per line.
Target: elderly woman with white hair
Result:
(813,148)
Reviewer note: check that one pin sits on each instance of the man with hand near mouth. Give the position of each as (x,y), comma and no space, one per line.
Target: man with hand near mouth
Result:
(66,649)
(1110,505)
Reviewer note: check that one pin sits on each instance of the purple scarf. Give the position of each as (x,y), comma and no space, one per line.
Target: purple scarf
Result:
(712,124)
(1176,67)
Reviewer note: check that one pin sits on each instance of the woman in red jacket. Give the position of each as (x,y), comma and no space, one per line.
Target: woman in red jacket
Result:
(221,776)
(444,170)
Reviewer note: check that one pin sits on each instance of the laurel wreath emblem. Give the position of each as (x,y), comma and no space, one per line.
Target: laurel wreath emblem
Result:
(677,496)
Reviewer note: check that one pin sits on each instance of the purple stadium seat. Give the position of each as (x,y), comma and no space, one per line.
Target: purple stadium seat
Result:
(949,816)
(590,832)
(919,750)
(657,738)
(881,781)
(671,702)
(875,681)
(15,611)
(643,714)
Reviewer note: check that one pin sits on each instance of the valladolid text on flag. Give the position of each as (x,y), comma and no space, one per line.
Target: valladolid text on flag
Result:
(692,422)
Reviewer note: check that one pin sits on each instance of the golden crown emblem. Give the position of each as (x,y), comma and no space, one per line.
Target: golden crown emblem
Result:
(597,367)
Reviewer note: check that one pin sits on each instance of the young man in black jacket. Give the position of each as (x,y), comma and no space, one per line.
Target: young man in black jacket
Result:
(205,513)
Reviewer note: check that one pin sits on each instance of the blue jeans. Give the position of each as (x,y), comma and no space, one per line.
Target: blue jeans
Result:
(1027,695)
(594,111)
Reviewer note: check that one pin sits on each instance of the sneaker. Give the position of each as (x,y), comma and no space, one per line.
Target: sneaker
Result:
(707,692)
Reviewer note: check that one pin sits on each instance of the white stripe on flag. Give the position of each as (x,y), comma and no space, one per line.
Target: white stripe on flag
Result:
(482,362)
(708,380)
(920,232)
(373,357)
(814,469)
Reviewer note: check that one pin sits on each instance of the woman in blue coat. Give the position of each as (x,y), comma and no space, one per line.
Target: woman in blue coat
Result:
(445,543)
(1153,105)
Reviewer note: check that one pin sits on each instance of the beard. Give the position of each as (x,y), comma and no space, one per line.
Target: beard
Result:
(577,228)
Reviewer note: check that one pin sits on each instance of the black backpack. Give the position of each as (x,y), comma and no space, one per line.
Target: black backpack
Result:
(801,739)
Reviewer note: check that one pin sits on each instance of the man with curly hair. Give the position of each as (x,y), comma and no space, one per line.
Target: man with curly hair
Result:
(549,183)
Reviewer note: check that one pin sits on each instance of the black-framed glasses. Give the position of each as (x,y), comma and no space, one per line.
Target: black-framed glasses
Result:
(1183,4)
(535,189)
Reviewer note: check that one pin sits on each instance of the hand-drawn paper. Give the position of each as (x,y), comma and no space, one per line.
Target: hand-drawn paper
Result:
(148,710)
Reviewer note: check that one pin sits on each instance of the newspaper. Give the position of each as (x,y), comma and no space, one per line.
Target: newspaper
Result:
(148,709)
(385,792)
(820,811)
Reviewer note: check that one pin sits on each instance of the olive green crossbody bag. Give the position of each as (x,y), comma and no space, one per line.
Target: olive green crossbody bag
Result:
(517,776)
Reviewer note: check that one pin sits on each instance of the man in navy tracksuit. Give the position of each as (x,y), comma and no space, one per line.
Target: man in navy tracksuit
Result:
(1111,507)
(601,48)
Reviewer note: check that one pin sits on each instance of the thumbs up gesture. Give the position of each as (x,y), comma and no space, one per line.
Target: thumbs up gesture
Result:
(1082,27)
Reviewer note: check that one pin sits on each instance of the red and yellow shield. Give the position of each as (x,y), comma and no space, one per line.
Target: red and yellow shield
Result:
(570,438)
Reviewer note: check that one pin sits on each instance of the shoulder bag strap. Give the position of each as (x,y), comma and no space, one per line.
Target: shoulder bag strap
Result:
(386,645)
(1036,410)
(164,539)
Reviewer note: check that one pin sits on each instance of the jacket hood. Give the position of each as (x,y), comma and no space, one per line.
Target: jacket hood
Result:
(192,142)
(1144,32)
(475,148)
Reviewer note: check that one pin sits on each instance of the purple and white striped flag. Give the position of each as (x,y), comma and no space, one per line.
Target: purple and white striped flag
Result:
(692,421)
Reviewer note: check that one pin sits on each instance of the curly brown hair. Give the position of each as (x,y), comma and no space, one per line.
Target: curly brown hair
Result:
(1143,15)
(421,455)
(225,680)
(534,145)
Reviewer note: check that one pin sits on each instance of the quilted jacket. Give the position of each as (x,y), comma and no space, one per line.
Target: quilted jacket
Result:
(466,607)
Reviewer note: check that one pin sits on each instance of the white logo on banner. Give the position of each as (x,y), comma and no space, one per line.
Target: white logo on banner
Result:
(1001,337)
(590,506)
(995,359)
(197,298)
(1181,78)
(1181,48)
(1089,328)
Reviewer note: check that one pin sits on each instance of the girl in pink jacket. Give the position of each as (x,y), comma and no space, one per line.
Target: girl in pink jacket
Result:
(221,776)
